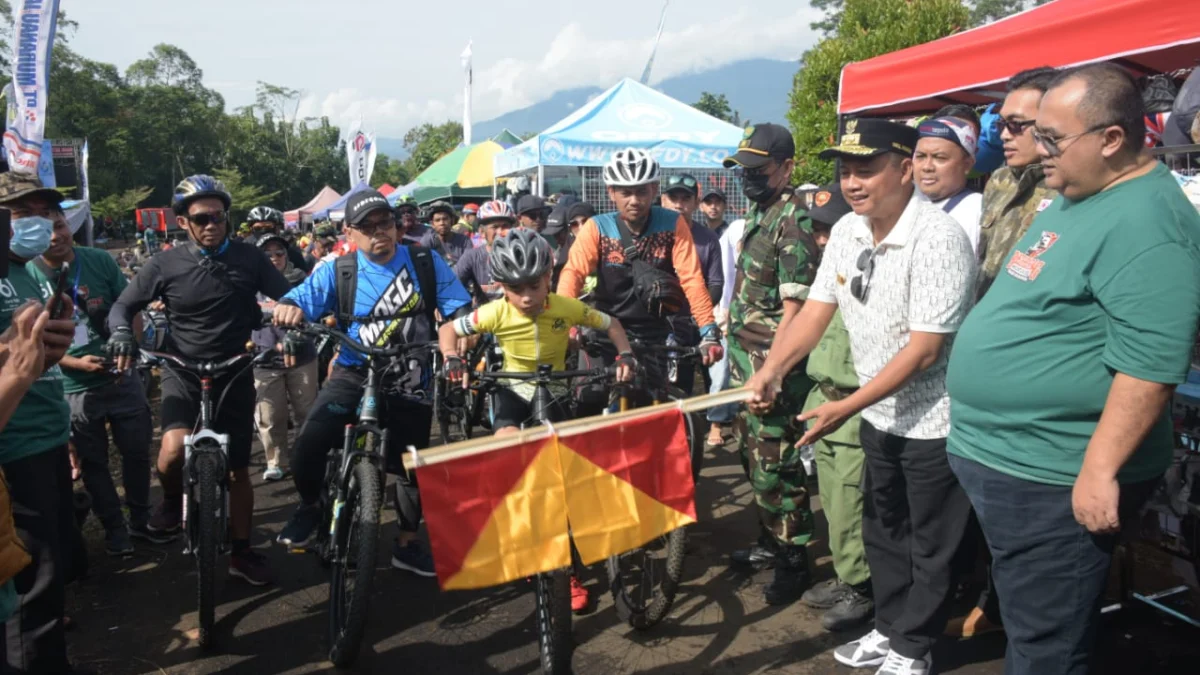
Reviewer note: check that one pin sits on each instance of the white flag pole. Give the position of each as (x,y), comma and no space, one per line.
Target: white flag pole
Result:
(662,20)
(466,63)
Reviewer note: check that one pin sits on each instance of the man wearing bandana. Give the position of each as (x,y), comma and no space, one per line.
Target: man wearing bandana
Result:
(944,157)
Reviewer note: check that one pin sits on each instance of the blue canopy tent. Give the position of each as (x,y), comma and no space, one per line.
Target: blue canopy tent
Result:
(339,206)
(629,114)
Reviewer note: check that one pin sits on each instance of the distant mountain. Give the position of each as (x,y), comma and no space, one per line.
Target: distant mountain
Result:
(756,88)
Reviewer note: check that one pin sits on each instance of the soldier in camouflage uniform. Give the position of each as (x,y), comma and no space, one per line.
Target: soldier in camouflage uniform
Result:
(776,265)
(1016,192)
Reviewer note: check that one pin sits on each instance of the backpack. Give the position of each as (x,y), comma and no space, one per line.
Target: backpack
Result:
(346,278)
(660,292)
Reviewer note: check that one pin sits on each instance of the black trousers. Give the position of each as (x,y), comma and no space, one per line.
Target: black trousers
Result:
(914,517)
(40,486)
(408,423)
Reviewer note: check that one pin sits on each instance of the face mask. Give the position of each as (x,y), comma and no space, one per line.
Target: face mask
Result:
(31,236)
(757,187)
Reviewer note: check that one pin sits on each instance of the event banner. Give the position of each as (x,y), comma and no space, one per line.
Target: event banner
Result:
(33,36)
(83,177)
(360,151)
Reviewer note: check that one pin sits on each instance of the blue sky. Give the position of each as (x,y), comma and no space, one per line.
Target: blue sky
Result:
(396,64)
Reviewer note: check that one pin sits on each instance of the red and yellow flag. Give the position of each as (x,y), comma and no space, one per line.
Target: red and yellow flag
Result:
(503,514)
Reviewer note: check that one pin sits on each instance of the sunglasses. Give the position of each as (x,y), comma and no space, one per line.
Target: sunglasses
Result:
(206,219)
(1054,146)
(369,229)
(860,284)
(1014,127)
(685,181)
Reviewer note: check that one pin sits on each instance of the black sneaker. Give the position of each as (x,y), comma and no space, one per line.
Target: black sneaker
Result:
(761,555)
(300,529)
(824,595)
(167,517)
(412,558)
(251,566)
(144,533)
(852,609)
(791,576)
(117,542)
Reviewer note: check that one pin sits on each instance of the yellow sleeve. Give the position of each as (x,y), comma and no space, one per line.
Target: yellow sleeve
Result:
(578,313)
(484,319)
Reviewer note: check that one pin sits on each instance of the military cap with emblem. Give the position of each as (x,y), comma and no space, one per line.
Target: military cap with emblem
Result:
(868,138)
(828,205)
(14,186)
(760,144)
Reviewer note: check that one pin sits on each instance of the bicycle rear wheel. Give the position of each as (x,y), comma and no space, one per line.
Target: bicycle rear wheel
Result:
(355,536)
(205,507)
(552,592)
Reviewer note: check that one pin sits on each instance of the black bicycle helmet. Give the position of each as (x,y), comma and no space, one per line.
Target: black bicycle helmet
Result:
(442,207)
(265,214)
(272,237)
(197,187)
(520,257)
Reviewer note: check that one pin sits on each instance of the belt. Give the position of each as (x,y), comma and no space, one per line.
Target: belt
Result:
(835,393)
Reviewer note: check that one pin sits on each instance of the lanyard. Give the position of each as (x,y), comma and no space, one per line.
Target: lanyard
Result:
(75,292)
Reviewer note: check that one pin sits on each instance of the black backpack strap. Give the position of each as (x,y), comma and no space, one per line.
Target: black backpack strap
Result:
(627,244)
(422,259)
(346,277)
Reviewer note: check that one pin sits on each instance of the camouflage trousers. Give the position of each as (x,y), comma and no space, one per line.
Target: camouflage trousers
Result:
(769,456)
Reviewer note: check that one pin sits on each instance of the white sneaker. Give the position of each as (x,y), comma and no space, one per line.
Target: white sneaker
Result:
(865,652)
(273,473)
(895,664)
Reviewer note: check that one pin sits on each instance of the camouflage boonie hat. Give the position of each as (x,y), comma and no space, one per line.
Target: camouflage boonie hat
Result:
(14,186)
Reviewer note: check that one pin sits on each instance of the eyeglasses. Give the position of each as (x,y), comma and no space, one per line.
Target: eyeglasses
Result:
(677,181)
(1014,127)
(861,283)
(1054,146)
(369,229)
(206,219)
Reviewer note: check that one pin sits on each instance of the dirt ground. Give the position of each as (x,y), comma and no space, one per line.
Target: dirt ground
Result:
(136,615)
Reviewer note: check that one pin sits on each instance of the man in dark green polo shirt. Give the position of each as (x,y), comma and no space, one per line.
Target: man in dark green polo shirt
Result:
(99,399)
(1060,376)
(33,446)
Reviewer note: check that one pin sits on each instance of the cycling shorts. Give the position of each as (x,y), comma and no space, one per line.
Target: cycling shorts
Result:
(234,417)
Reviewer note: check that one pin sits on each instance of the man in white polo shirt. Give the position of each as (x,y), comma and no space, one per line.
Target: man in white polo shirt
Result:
(902,272)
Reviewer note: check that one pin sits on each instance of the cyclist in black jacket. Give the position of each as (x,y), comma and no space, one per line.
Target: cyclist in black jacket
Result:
(210,288)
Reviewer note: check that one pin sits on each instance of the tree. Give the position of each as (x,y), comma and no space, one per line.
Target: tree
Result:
(244,195)
(391,171)
(426,143)
(867,28)
(716,105)
(982,11)
(167,66)
(121,204)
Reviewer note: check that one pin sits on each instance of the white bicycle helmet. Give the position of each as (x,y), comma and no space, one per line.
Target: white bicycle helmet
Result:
(630,167)
(495,210)
(520,257)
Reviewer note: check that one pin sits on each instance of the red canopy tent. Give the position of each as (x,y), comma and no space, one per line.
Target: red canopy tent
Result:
(1145,36)
(385,189)
(324,198)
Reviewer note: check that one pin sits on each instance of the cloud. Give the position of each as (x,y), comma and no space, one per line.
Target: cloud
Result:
(572,60)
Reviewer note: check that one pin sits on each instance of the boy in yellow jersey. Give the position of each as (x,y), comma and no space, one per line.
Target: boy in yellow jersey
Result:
(532,326)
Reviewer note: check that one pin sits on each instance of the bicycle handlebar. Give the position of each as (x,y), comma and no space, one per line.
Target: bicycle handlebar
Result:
(553,375)
(679,351)
(355,345)
(208,367)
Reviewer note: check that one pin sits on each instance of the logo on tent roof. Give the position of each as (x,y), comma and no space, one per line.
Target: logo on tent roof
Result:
(644,116)
(553,150)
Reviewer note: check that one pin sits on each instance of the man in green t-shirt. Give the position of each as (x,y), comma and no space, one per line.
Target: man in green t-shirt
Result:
(33,446)
(1060,376)
(100,399)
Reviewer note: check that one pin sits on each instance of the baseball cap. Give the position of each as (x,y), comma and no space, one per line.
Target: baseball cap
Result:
(868,138)
(14,186)
(362,203)
(760,144)
(557,221)
(529,203)
(580,209)
(827,204)
(470,209)
(684,182)
(714,192)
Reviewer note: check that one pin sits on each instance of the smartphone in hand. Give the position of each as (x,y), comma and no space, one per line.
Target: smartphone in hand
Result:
(54,305)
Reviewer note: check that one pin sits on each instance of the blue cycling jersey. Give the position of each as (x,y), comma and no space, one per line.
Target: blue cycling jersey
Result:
(383,291)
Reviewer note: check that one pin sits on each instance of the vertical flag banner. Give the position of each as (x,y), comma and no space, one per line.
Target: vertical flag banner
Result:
(466,64)
(45,168)
(360,152)
(34,23)
(84,190)
(662,20)
(508,513)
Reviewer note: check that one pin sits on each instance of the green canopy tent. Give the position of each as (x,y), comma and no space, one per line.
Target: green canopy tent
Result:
(464,173)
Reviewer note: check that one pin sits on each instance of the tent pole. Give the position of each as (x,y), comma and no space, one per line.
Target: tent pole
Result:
(541,181)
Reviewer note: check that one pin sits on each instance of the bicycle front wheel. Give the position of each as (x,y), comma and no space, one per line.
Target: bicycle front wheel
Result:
(205,508)
(644,581)
(552,591)
(355,537)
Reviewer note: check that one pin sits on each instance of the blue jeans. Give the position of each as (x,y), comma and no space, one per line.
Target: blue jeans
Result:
(719,372)
(1049,571)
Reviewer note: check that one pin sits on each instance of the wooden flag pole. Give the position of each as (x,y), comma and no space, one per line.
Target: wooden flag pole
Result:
(477,446)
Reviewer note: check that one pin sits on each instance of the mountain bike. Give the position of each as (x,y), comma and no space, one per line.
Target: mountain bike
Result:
(206,478)
(460,410)
(352,496)
(643,582)
(552,590)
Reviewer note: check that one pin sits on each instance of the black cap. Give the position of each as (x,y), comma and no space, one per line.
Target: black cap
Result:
(529,203)
(868,138)
(362,203)
(685,182)
(760,144)
(714,192)
(580,209)
(827,205)
(557,221)
(442,207)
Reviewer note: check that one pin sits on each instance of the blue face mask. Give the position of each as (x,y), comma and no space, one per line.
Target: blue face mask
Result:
(31,236)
